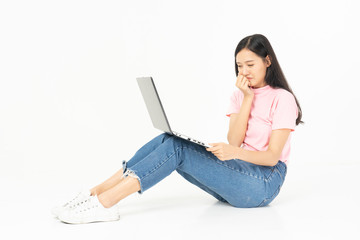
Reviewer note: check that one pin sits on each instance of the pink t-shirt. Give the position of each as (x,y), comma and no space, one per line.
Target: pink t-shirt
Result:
(272,108)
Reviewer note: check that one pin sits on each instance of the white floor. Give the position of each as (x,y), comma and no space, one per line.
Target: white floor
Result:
(318,202)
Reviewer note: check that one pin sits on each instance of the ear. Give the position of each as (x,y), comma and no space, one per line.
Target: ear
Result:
(268,61)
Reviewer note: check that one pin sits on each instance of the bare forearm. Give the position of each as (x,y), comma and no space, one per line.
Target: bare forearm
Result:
(265,158)
(270,157)
(237,128)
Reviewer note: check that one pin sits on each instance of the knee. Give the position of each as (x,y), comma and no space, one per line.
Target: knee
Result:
(175,140)
(164,136)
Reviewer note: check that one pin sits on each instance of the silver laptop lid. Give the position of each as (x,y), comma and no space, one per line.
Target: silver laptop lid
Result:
(153,104)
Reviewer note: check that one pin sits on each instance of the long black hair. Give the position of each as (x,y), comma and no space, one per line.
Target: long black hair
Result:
(274,77)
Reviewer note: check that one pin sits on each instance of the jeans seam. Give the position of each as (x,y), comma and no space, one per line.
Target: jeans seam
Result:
(282,177)
(268,178)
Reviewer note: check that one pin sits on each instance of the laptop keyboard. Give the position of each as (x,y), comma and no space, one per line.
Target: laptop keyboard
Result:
(188,138)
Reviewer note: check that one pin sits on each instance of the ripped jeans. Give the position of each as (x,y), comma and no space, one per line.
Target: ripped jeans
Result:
(239,183)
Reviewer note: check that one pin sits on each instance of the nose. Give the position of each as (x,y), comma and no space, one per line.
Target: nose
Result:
(245,71)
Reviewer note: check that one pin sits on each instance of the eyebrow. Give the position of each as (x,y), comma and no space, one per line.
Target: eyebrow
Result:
(246,61)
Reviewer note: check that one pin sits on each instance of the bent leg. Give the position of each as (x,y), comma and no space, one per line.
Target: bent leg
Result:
(239,183)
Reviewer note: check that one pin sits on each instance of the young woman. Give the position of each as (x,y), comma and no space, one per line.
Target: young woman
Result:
(247,172)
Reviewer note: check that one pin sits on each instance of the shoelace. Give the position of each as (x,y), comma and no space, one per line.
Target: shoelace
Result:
(85,205)
(71,201)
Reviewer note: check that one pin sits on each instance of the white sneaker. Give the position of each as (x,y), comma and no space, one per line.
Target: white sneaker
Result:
(56,211)
(89,210)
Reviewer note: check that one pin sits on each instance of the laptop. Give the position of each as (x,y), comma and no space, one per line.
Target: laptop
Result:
(156,110)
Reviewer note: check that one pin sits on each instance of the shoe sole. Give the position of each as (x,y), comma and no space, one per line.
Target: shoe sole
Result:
(92,221)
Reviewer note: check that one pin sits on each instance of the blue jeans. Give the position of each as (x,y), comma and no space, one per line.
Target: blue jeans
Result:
(239,183)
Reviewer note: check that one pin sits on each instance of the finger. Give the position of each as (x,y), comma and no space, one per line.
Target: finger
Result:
(216,148)
(219,157)
(214,144)
(213,150)
(244,82)
(240,77)
(247,83)
(217,151)
(209,148)
(238,80)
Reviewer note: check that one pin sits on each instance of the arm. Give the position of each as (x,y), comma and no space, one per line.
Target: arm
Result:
(239,122)
(270,157)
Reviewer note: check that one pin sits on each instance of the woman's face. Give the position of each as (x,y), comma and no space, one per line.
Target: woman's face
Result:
(252,67)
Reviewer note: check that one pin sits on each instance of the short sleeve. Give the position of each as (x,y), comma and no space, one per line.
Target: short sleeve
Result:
(235,102)
(285,112)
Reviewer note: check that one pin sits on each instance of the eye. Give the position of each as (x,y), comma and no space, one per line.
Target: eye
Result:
(239,66)
(250,65)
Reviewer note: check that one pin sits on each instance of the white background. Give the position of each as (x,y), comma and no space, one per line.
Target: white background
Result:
(71,110)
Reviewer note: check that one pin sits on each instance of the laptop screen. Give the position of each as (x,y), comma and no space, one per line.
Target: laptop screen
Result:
(153,104)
